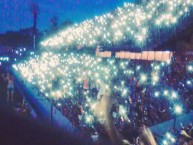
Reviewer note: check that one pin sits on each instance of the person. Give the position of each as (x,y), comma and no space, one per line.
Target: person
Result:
(106,104)
(185,139)
(10,87)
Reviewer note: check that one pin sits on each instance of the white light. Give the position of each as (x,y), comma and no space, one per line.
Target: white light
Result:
(96,75)
(89,119)
(156,94)
(129,22)
(165,142)
(124,92)
(74,68)
(190,68)
(138,67)
(173,140)
(188,82)
(59,104)
(168,135)
(174,95)
(155,78)
(118,33)
(122,111)
(166,92)
(93,106)
(178,109)
(158,22)
(143,77)
(140,38)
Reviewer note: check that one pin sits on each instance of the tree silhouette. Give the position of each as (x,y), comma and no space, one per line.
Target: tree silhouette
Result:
(66,23)
(54,23)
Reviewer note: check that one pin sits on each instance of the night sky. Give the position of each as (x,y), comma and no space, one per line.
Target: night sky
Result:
(15,14)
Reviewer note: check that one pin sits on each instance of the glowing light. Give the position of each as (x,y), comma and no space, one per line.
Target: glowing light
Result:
(143,78)
(129,22)
(166,92)
(173,140)
(178,109)
(58,76)
(4,58)
(138,68)
(156,94)
(188,82)
(168,135)
(155,78)
(89,119)
(93,106)
(174,95)
(59,104)
(165,142)
(190,68)
(122,111)
(124,92)
(169,139)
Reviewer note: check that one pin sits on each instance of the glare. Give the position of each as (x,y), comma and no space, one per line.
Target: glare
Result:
(124,92)
(165,142)
(156,94)
(178,109)
(188,82)
(59,104)
(190,68)
(122,110)
(166,92)
(168,135)
(173,140)
(155,78)
(58,76)
(174,95)
(169,139)
(143,77)
(130,22)
(89,119)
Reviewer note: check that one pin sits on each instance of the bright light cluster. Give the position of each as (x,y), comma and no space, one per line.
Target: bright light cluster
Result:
(20,51)
(178,109)
(131,22)
(169,139)
(190,68)
(60,76)
(3,59)
(67,71)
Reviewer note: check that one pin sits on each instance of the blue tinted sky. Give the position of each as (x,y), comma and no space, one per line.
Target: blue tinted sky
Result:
(15,14)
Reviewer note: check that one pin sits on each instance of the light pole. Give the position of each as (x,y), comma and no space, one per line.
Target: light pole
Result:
(34,8)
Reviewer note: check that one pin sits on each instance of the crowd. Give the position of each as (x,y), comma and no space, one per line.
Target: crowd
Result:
(183,137)
(142,106)
(139,92)
(107,98)
(186,134)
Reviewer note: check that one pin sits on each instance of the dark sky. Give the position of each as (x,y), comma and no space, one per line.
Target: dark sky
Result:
(15,14)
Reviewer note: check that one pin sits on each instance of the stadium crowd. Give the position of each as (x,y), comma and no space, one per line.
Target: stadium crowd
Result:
(139,92)
(141,106)
(108,98)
